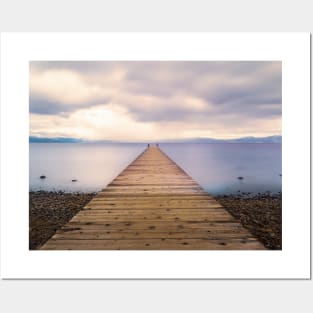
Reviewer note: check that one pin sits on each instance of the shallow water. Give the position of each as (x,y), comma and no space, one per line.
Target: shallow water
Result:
(92,165)
(214,166)
(217,166)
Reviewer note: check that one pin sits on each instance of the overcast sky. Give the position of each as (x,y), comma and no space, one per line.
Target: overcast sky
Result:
(155,100)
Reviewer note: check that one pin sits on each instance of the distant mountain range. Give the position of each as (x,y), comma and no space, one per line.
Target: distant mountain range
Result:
(54,139)
(270,139)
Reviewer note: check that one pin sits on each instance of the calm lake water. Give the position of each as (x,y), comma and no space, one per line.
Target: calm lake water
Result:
(214,166)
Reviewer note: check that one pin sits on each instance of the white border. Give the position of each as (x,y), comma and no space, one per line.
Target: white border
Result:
(16,52)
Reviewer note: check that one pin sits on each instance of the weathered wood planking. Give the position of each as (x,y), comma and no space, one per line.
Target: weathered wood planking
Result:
(153,205)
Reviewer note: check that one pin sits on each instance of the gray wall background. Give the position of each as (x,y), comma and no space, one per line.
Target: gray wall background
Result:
(151,16)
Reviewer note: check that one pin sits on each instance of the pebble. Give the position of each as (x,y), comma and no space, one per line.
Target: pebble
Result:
(49,211)
(260,213)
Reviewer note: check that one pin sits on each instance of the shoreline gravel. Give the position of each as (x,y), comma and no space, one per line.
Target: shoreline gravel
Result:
(261,214)
(49,211)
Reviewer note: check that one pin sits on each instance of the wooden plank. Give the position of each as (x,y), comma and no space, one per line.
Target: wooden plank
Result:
(159,199)
(74,233)
(153,205)
(147,207)
(155,220)
(160,225)
(151,212)
(153,244)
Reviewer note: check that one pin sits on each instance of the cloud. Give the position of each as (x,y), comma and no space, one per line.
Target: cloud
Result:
(114,123)
(108,121)
(193,97)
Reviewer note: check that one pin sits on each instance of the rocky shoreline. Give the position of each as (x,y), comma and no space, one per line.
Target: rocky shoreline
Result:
(261,214)
(49,211)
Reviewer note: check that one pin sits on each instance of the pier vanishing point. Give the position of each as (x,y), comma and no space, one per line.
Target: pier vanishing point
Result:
(153,205)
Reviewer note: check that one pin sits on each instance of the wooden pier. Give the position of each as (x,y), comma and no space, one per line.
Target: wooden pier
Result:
(153,205)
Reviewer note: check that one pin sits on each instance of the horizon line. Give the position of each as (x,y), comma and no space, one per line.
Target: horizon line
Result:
(180,140)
